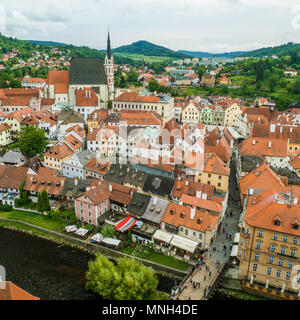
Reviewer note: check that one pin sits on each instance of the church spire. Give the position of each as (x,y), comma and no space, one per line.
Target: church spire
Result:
(108,51)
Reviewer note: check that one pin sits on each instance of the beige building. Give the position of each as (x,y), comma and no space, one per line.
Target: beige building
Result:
(5,136)
(190,114)
(163,105)
(269,250)
(231,115)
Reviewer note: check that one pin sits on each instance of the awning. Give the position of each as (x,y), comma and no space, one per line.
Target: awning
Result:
(97,237)
(81,232)
(184,244)
(70,229)
(234,251)
(126,224)
(237,238)
(163,236)
(110,241)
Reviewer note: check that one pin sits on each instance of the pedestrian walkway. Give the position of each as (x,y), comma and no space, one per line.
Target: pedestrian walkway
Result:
(199,284)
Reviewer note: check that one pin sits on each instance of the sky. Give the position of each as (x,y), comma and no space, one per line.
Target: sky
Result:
(195,25)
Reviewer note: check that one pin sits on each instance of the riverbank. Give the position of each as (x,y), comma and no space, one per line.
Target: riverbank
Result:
(52,270)
(51,229)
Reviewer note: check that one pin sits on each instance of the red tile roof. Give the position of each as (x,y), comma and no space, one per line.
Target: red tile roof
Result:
(13,292)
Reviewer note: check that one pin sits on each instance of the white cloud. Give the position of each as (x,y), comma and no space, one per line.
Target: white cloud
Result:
(206,25)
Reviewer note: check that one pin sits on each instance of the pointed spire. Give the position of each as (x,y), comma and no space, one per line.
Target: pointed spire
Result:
(108,51)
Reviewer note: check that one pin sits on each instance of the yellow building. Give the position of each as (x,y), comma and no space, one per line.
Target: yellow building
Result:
(215,172)
(232,114)
(5,136)
(54,158)
(269,249)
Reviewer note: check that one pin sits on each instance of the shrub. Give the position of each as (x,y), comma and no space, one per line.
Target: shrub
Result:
(6,207)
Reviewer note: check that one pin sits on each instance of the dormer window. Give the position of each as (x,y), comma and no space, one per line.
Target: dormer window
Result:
(171,212)
(277,223)
(182,215)
(295,226)
(199,221)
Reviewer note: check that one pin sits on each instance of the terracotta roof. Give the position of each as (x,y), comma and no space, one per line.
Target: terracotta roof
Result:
(94,165)
(21,114)
(60,79)
(213,164)
(178,215)
(86,98)
(264,146)
(210,205)
(263,178)
(190,188)
(13,292)
(73,142)
(4,127)
(295,163)
(37,183)
(98,115)
(11,177)
(263,210)
(134,97)
(60,150)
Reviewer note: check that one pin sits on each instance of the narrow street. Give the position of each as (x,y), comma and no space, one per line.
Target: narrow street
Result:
(206,275)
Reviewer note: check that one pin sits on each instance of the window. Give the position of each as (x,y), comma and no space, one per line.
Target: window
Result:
(275,236)
(254,267)
(285,238)
(258,244)
(280,262)
(186,232)
(278,273)
(256,257)
(260,233)
(269,271)
(288,276)
(290,264)
(293,252)
(295,241)
(283,250)
(273,248)
(271,260)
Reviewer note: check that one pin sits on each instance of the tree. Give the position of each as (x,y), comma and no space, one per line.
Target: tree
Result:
(102,277)
(153,86)
(200,72)
(128,280)
(108,231)
(43,202)
(32,141)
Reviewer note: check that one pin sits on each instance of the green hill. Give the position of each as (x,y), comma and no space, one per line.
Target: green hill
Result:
(280,51)
(149,49)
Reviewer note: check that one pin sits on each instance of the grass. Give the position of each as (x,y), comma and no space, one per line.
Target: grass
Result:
(149,254)
(35,219)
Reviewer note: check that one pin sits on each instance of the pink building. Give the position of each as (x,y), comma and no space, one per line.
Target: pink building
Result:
(93,204)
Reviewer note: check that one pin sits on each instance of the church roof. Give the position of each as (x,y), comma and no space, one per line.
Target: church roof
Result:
(87,71)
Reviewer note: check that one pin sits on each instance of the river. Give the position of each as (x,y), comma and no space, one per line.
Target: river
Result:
(48,270)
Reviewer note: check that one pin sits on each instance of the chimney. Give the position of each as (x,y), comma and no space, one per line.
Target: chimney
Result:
(280,129)
(155,201)
(110,188)
(76,181)
(270,144)
(181,203)
(291,130)
(193,213)
(253,142)
(204,196)
(272,128)
(187,183)
(198,194)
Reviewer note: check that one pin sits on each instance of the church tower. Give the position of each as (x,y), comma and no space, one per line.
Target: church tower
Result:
(109,68)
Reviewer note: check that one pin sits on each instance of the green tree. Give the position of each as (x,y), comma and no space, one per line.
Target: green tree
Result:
(108,231)
(43,202)
(102,277)
(32,141)
(200,72)
(138,281)
(153,85)
(128,280)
